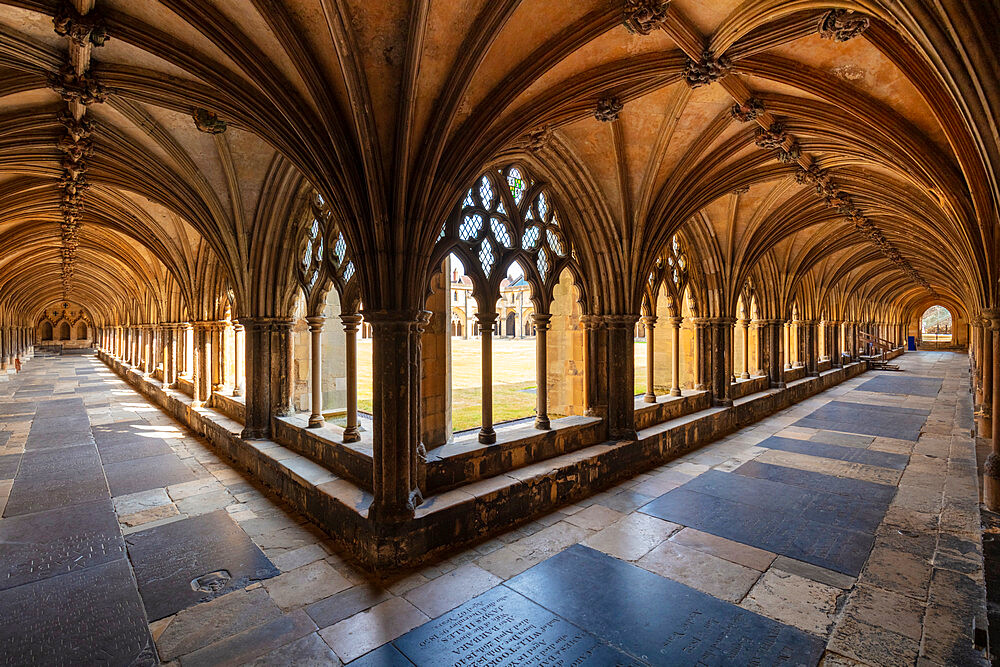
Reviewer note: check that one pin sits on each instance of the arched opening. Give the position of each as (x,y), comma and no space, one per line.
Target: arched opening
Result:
(45,332)
(63,333)
(936,326)
(81,331)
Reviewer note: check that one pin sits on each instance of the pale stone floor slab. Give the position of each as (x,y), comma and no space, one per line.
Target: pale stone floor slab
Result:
(918,596)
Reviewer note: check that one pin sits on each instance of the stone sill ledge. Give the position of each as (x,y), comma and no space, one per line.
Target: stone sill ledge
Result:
(477,510)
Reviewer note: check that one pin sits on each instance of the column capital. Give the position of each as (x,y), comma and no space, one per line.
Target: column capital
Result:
(541,320)
(315,323)
(393,318)
(675,321)
(991,316)
(351,322)
(591,321)
(648,320)
(266,323)
(486,318)
(620,320)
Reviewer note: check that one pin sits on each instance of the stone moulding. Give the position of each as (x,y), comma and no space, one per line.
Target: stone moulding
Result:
(475,511)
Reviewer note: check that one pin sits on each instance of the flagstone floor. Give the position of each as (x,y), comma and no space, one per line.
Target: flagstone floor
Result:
(843,531)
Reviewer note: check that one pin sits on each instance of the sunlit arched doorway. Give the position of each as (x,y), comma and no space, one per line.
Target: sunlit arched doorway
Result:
(936,326)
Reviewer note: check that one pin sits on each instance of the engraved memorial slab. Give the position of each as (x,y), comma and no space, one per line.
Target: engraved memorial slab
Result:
(46,544)
(502,627)
(88,617)
(658,620)
(167,560)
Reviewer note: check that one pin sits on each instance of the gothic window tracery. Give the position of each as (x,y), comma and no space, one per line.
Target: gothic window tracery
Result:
(325,255)
(507,216)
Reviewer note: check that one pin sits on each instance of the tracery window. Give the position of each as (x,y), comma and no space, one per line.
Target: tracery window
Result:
(324,262)
(508,217)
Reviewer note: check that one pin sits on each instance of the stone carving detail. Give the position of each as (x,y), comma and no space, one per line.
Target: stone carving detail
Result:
(77,147)
(747,111)
(772,137)
(792,154)
(706,70)
(608,109)
(208,121)
(83,88)
(842,24)
(812,175)
(81,28)
(644,16)
(538,139)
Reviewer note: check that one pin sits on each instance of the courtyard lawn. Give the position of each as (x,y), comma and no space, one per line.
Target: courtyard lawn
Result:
(513,375)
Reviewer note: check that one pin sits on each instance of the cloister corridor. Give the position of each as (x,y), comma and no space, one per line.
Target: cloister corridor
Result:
(813,534)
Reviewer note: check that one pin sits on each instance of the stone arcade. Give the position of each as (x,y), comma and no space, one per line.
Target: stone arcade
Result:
(390,326)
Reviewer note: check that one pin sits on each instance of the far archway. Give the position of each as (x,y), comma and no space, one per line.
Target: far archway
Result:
(936,326)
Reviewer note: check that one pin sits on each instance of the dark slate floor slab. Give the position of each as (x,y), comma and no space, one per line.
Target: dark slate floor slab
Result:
(384,656)
(857,513)
(4,436)
(852,488)
(790,535)
(117,433)
(32,495)
(168,558)
(656,619)
(146,473)
(89,617)
(8,465)
(47,544)
(503,627)
(902,384)
(58,440)
(886,421)
(138,449)
(839,452)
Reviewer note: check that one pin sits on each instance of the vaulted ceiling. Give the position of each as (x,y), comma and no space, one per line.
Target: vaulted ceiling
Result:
(150,152)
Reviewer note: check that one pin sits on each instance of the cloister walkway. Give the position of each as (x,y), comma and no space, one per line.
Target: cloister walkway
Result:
(846,525)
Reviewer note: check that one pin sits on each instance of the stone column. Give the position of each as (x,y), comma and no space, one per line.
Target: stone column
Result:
(771,334)
(985,416)
(200,367)
(316,369)
(170,354)
(991,468)
(702,356)
(621,375)
(396,451)
(746,349)
(836,356)
(720,329)
(675,356)
(787,347)
(812,347)
(595,376)
(487,435)
(352,432)
(269,371)
(649,323)
(218,355)
(541,321)
(238,357)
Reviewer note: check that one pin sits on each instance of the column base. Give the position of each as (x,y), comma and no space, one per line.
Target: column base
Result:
(991,482)
(624,435)
(352,434)
(487,436)
(238,391)
(722,402)
(649,398)
(744,376)
(316,421)
(541,423)
(255,433)
(675,392)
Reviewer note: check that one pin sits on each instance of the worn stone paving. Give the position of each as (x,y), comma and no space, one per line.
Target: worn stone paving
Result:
(628,576)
